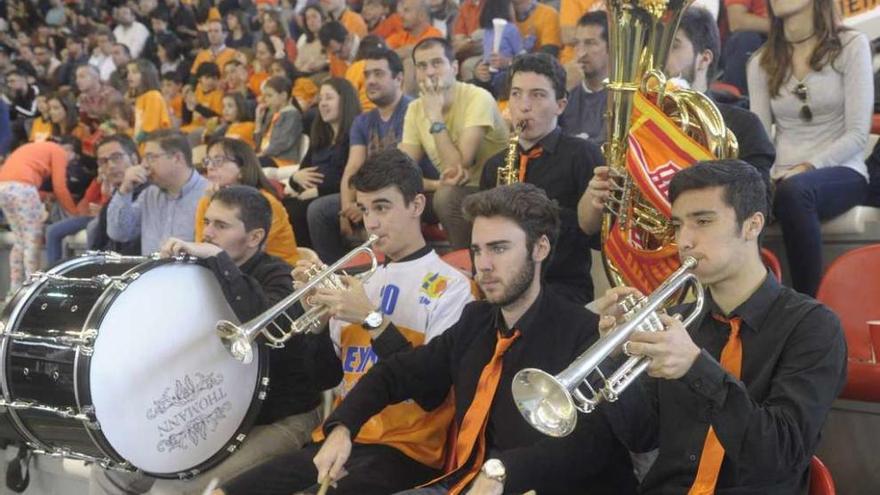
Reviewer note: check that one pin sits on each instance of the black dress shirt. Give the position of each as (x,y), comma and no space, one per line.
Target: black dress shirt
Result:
(251,289)
(563,171)
(769,421)
(553,331)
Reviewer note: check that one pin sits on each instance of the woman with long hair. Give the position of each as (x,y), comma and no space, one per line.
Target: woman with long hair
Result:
(322,167)
(64,117)
(278,125)
(264,54)
(150,110)
(239,30)
(235,121)
(233,162)
(813,81)
(310,56)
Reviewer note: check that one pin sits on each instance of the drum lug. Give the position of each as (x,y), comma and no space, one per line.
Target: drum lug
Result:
(66,412)
(83,339)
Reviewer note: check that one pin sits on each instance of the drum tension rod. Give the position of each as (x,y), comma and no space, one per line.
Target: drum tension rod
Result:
(66,413)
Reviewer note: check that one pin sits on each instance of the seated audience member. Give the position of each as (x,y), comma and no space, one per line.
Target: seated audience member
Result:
(340,45)
(457,126)
(405,445)
(749,25)
(560,165)
(813,82)
(518,325)
(167,207)
(41,127)
(497,60)
(235,81)
(150,110)
(217,52)
(232,162)
(115,154)
(94,97)
(233,121)
(278,125)
(23,104)
(121,58)
(538,24)
(172,58)
(129,31)
(75,56)
(443,15)
(382,17)
(203,102)
(264,54)
(120,120)
(64,117)
(172,91)
(322,167)
(21,176)
(238,27)
(584,116)
(337,10)
(274,29)
(415,18)
(334,218)
(737,402)
(101,56)
(310,56)
(467,35)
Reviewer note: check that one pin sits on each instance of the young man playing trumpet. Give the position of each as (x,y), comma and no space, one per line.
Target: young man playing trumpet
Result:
(410,300)
(518,325)
(736,402)
(561,165)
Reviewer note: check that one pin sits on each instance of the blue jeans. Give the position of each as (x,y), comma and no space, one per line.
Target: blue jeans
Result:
(56,233)
(738,48)
(323,220)
(800,204)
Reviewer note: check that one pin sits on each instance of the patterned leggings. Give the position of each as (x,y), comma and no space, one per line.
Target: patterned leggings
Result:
(26,216)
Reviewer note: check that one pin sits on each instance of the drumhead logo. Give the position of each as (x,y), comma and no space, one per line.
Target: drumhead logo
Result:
(189,410)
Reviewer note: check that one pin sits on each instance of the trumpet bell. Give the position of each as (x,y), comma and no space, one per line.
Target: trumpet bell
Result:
(235,341)
(544,402)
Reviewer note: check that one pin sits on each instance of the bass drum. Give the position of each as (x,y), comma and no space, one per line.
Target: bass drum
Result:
(115,360)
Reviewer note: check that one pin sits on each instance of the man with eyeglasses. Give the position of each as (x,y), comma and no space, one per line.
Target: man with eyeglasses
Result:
(115,155)
(167,207)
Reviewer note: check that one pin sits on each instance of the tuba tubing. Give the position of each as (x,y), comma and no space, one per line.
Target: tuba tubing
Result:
(550,403)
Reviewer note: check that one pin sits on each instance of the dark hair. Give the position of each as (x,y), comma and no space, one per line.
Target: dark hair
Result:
(494,9)
(525,204)
(432,42)
(744,188)
(332,31)
(775,55)
(321,135)
(149,76)
(254,209)
(276,17)
(68,140)
(172,46)
(542,64)
(368,43)
(241,106)
(701,29)
(597,18)
(127,144)
(124,48)
(287,66)
(71,111)
(171,141)
(389,167)
(395,65)
(279,84)
(242,21)
(172,75)
(248,164)
(208,69)
(310,36)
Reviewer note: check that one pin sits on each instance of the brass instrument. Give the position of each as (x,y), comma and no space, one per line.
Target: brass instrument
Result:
(550,403)
(640,37)
(509,173)
(238,339)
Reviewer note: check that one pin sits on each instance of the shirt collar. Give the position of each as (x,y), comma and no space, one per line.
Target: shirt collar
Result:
(418,253)
(252,262)
(754,310)
(191,183)
(548,143)
(526,324)
(525,15)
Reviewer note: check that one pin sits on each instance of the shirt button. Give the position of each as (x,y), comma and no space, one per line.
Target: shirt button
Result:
(698,383)
(238,298)
(226,272)
(692,457)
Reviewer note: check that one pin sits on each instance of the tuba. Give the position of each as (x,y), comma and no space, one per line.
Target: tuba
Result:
(509,172)
(550,403)
(640,36)
(237,339)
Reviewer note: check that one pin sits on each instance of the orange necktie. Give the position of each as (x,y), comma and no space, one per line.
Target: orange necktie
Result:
(524,158)
(713,451)
(473,426)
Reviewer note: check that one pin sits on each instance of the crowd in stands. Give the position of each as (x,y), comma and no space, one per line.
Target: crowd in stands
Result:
(128,113)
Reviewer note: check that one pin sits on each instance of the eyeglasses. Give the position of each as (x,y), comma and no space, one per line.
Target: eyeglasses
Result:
(151,158)
(217,161)
(801,92)
(114,158)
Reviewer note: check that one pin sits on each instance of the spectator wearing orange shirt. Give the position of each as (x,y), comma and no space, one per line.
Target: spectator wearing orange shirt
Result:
(570,12)
(217,50)
(172,86)
(338,11)
(150,110)
(205,102)
(236,123)
(749,26)
(41,128)
(381,17)
(341,46)
(467,36)
(416,18)
(538,24)
(64,117)
(264,54)
(22,174)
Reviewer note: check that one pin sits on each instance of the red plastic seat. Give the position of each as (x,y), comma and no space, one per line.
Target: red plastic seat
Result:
(851,288)
(875,123)
(460,259)
(772,263)
(821,482)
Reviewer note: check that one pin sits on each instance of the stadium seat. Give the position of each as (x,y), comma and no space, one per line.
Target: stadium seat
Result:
(821,482)
(460,259)
(772,263)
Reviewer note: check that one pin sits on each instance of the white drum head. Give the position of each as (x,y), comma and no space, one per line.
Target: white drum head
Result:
(167,395)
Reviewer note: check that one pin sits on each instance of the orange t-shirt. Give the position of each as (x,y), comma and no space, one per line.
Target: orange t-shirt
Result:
(243,131)
(405,38)
(221,59)
(41,130)
(280,242)
(150,114)
(389,26)
(355,75)
(32,163)
(543,23)
(570,12)
(353,22)
(468,19)
(255,82)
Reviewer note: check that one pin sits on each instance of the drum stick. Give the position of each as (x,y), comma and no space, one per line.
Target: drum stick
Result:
(325,484)
(211,486)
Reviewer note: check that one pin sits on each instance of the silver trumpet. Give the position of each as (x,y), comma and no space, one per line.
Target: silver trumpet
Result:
(238,339)
(550,403)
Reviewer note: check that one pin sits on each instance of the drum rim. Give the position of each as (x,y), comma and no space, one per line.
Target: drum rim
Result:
(10,318)
(95,318)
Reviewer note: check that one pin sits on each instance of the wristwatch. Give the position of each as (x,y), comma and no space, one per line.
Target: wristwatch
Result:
(437,127)
(373,320)
(494,470)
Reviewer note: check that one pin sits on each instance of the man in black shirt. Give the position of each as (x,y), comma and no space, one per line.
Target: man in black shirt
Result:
(761,366)
(514,232)
(559,164)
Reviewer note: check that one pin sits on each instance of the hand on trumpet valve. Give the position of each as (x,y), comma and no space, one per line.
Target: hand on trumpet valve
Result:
(304,270)
(672,352)
(610,309)
(599,187)
(349,303)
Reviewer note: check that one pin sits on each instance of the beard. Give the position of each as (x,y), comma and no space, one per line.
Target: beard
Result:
(517,286)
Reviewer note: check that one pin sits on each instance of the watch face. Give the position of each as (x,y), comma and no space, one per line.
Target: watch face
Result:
(373,320)
(494,468)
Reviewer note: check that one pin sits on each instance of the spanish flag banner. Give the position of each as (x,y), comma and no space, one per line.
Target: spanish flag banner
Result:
(656,149)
